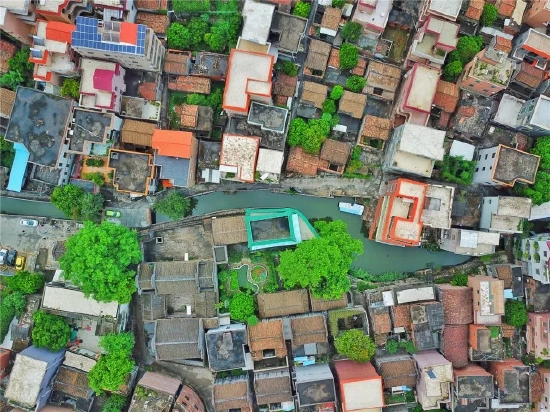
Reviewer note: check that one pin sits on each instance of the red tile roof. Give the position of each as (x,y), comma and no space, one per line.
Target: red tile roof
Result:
(467,111)
(189,114)
(475,9)
(382,322)
(359,70)
(190,84)
(147,90)
(285,85)
(457,304)
(59,31)
(401,316)
(503,44)
(446,96)
(128,33)
(172,143)
(334,59)
(7,50)
(301,162)
(158,22)
(530,75)
(454,345)
(506,7)
(152,4)
(536,386)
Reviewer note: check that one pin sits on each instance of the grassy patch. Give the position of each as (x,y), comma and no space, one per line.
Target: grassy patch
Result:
(399,37)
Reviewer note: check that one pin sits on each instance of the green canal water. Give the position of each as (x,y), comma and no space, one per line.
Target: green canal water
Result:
(377,257)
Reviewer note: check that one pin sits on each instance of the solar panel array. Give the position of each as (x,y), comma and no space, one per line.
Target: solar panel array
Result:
(88,35)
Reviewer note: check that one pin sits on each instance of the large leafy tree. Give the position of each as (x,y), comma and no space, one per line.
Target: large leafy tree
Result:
(302,9)
(98,258)
(349,56)
(351,31)
(50,331)
(113,367)
(355,345)
(355,83)
(452,70)
(515,313)
(322,263)
(174,205)
(198,27)
(7,153)
(178,36)
(26,282)
(242,306)
(190,6)
(71,88)
(91,206)
(539,192)
(489,15)
(68,199)
(466,48)
(20,70)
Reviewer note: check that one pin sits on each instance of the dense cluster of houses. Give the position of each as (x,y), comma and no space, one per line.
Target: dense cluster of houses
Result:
(405,115)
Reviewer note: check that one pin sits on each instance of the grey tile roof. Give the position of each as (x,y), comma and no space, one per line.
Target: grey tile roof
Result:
(179,338)
(173,168)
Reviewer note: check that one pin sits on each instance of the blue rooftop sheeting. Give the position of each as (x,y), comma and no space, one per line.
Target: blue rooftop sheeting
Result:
(86,35)
(17,173)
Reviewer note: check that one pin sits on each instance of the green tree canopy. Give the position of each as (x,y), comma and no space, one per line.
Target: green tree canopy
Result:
(50,331)
(452,70)
(515,313)
(97,260)
(26,282)
(112,368)
(349,56)
(115,403)
(198,27)
(460,279)
(356,83)
(321,263)
(68,199)
(71,88)
(351,31)
(20,70)
(311,135)
(338,3)
(302,9)
(174,205)
(329,107)
(489,15)
(289,68)
(242,307)
(7,153)
(91,206)
(178,36)
(355,345)
(466,48)
(336,92)
(539,192)
(190,6)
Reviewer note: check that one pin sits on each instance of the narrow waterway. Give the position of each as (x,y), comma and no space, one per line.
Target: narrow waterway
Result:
(377,257)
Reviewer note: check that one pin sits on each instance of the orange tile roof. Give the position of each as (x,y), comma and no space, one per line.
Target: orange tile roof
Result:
(128,33)
(446,96)
(475,9)
(158,22)
(59,31)
(189,114)
(503,44)
(172,143)
(530,75)
(301,162)
(334,59)
(506,7)
(359,70)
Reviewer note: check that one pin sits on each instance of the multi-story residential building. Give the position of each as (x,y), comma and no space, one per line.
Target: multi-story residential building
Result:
(448,10)
(372,15)
(532,47)
(31,378)
(469,242)
(504,214)
(320,378)
(537,13)
(490,70)
(414,149)
(51,118)
(176,155)
(116,10)
(51,53)
(248,79)
(472,388)
(432,42)
(12,24)
(545,398)
(134,46)
(512,383)
(533,118)
(504,166)
(538,334)
(435,374)
(65,11)
(405,208)
(417,94)
(536,257)
(488,299)
(360,386)
(101,85)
